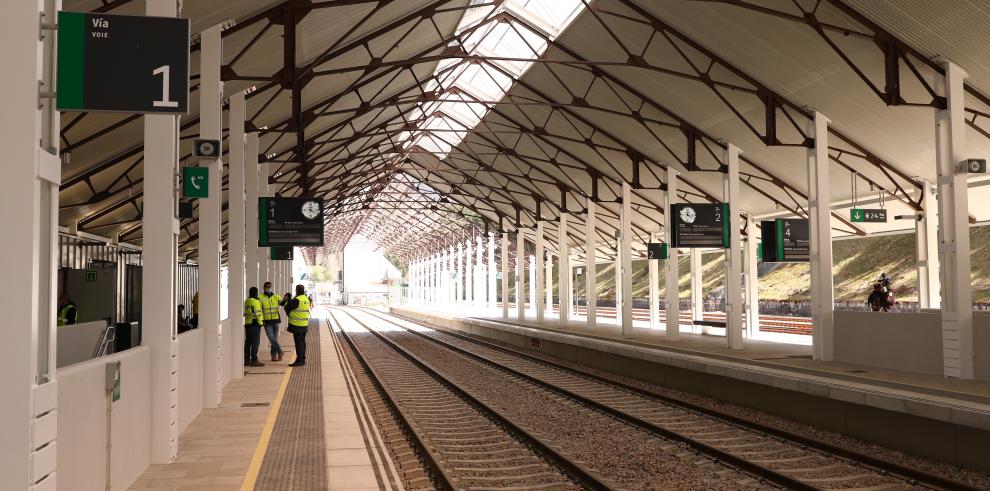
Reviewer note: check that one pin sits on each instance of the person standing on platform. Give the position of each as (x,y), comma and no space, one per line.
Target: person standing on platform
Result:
(253,319)
(270,303)
(195,317)
(67,312)
(298,310)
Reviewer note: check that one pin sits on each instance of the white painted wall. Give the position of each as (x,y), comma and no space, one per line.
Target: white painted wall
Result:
(227,337)
(82,416)
(190,376)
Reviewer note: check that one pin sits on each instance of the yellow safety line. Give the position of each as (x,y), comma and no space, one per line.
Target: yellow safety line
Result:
(266,435)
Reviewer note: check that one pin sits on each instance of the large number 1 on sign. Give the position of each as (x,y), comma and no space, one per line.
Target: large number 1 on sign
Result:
(165,102)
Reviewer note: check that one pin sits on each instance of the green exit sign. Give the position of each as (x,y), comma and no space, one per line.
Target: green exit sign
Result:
(195,182)
(868,215)
(90,275)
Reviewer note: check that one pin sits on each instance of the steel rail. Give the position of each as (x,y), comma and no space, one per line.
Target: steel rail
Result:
(439,474)
(880,466)
(584,477)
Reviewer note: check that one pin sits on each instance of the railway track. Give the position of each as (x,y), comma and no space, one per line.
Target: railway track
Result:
(461,441)
(786,459)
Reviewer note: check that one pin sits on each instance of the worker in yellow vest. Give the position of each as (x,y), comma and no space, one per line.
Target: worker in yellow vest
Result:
(67,312)
(270,302)
(253,318)
(298,310)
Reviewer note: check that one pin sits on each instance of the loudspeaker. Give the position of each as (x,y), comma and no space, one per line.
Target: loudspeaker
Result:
(206,149)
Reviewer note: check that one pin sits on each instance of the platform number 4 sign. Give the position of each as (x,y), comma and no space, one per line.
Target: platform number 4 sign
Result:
(122,63)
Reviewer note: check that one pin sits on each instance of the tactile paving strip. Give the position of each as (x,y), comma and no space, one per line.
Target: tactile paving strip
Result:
(296,458)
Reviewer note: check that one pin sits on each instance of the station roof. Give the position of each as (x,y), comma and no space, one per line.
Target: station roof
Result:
(423,123)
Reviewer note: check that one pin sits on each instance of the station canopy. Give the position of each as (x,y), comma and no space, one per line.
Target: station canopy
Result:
(424,123)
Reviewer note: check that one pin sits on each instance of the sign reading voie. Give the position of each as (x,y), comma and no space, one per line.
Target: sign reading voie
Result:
(122,63)
(700,225)
(284,222)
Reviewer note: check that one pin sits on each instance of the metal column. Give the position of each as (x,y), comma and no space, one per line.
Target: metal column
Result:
(548,281)
(625,258)
(236,227)
(460,276)
(654,278)
(210,93)
(250,219)
(673,302)
(532,274)
(953,230)
(469,273)
(492,273)
(591,280)
(926,237)
(520,274)
(820,226)
(505,275)
(538,271)
(29,132)
(160,235)
(697,282)
(564,271)
(750,273)
(733,256)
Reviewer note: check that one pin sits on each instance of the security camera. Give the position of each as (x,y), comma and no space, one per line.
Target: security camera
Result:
(972,166)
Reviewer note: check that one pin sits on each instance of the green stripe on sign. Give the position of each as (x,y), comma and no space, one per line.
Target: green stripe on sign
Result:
(780,239)
(726,238)
(71,61)
(262,222)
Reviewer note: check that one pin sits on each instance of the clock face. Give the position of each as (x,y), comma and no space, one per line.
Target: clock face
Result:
(310,210)
(688,215)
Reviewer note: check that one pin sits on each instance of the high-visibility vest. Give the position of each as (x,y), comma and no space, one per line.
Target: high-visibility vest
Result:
(252,311)
(63,315)
(269,306)
(300,315)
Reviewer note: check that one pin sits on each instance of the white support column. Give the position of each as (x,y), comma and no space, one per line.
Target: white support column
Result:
(236,234)
(250,220)
(492,273)
(264,253)
(532,298)
(451,276)
(548,281)
(459,283)
(480,280)
(520,274)
(733,255)
(591,280)
(926,237)
(469,273)
(953,230)
(29,133)
(625,258)
(617,267)
(537,286)
(654,278)
(210,95)
(505,275)
(820,226)
(564,271)
(673,301)
(750,273)
(697,282)
(160,235)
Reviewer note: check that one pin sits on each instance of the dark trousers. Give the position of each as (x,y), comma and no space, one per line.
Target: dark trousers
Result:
(299,338)
(252,340)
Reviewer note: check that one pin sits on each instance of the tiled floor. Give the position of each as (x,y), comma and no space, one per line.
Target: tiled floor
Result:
(215,450)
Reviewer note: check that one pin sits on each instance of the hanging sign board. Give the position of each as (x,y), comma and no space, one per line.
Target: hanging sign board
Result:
(288,222)
(656,250)
(280,253)
(700,225)
(786,240)
(122,63)
(868,215)
(195,182)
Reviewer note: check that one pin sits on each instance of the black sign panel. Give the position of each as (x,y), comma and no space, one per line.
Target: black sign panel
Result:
(700,225)
(280,253)
(122,63)
(287,222)
(653,250)
(786,240)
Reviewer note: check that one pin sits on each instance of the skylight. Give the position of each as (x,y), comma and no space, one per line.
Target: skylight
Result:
(446,121)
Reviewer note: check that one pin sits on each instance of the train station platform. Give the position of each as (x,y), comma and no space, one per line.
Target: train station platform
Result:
(282,428)
(923,414)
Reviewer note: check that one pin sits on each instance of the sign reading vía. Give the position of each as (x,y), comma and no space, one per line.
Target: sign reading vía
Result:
(122,63)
